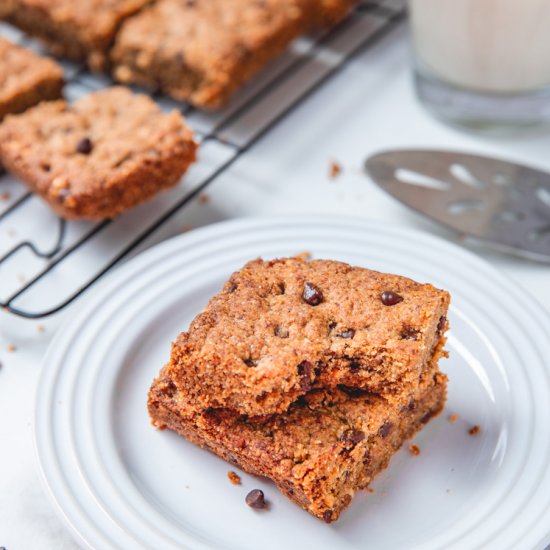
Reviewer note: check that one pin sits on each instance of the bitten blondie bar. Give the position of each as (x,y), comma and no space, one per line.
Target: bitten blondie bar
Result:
(281,328)
(26,79)
(99,156)
(326,447)
(202,52)
(82,30)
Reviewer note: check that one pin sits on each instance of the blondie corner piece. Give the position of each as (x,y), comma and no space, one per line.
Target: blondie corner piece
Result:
(325,448)
(94,159)
(26,79)
(82,30)
(281,328)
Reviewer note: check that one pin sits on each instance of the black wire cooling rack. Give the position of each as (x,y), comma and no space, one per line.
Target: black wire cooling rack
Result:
(64,255)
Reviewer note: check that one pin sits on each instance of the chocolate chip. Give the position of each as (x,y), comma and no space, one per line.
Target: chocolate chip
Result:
(441,324)
(349,333)
(170,389)
(385,429)
(281,287)
(305,371)
(63,194)
(327,516)
(409,333)
(352,437)
(242,52)
(231,287)
(281,332)
(390,298)
(84,146)
(312,295)
(354,363)
(255,499)
(249,362)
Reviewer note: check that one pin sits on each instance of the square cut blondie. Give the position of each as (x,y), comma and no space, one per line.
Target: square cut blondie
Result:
(330,443)
(202,52)
(99,156)
(26,79)
(279,329)
(82,30)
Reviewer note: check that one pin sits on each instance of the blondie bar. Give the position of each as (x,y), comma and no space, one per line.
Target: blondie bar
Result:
(202,52)
(99,156)
(281,328)
(326,447)
(82,30)
(26,79)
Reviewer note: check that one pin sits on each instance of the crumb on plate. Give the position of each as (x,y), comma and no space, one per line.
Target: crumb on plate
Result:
(414,450)
(234,478)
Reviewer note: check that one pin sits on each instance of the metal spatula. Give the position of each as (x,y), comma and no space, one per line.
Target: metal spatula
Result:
(499,203)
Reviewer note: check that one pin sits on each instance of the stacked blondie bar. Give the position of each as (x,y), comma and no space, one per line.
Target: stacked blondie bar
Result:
(312,374)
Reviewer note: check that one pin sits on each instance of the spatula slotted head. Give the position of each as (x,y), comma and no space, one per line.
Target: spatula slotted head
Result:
(500,203)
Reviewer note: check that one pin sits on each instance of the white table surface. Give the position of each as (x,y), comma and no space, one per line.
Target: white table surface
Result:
(367,107)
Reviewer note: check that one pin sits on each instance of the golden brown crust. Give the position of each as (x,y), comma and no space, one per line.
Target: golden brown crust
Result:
(259,345)
(328,446)
(100,156)
(82,30)
(202,51)
(26,79)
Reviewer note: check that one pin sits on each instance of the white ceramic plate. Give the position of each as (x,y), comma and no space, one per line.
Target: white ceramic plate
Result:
(119,483)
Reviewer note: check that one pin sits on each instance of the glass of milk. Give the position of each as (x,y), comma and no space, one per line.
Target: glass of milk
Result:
(484,64)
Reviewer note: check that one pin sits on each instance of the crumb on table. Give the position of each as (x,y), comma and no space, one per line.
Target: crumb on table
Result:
(335,169)
(11,348)
(234,478)
(453,418)
(204,198)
